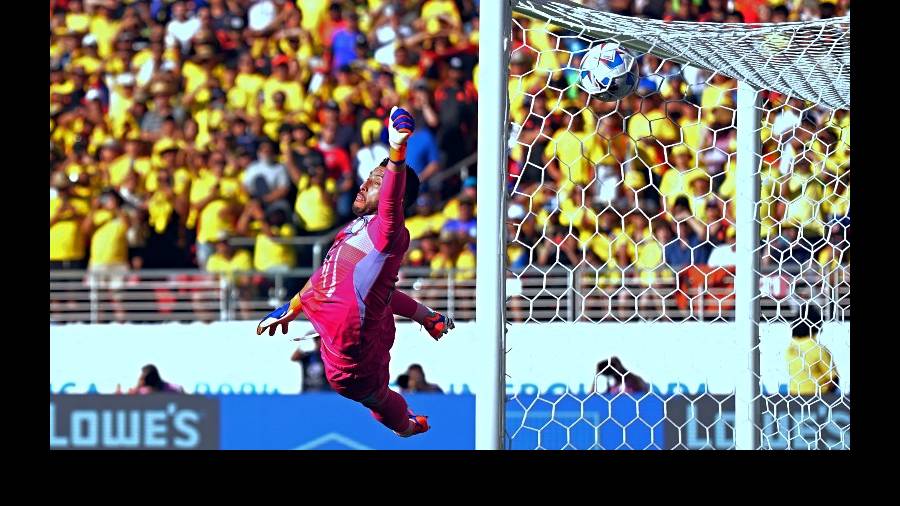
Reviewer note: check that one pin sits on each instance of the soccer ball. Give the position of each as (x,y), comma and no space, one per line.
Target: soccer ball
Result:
(609,72)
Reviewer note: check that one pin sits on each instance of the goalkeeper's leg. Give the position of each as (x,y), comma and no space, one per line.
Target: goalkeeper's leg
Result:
(435,323)
(371,390)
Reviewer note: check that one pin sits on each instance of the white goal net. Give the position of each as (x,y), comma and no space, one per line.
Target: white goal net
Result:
(659,297)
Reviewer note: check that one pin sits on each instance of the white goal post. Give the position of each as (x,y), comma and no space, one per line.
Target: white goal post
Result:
(807,62)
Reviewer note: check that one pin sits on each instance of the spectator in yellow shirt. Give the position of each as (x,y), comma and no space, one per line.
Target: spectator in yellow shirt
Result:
(572,153)
(228,260)
(810,365)
(437,14)
(89,60)
(76,19)
(104,29)
(67,249)
(271,253)
(234,265)
(282,81)
(248,87)
(132,160)
(315,205)
(107,227)
(649,256)
(676,181)
(446,257)
(213,197)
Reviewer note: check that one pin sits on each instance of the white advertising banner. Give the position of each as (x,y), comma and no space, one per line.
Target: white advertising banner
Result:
(228,357)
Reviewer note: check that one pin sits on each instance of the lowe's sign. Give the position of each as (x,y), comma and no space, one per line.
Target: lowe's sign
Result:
(119,422)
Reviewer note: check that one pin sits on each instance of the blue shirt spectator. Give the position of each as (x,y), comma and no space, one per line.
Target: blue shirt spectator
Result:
(465,225)
(343,43)
(422,150)
(680,254)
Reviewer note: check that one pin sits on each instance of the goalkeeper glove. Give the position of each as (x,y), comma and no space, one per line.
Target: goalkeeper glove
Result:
(281,316)
(400,127)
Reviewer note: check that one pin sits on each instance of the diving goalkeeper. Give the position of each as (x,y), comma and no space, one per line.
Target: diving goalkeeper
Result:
(351,299)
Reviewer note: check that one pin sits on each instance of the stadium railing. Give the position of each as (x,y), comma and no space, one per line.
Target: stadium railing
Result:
(698,293)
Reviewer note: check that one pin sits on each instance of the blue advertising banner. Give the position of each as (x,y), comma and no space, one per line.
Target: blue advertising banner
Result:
(327,421)
(579,422)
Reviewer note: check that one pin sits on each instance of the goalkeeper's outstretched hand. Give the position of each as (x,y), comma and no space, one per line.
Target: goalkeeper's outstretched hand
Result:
(281,316)
(400,127)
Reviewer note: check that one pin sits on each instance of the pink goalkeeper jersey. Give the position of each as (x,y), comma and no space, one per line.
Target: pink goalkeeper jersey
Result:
(349,302)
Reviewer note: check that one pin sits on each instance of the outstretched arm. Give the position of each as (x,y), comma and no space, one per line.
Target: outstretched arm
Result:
(390,204)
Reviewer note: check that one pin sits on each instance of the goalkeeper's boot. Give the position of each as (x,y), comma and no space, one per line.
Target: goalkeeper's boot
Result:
(437,325)
(420,425)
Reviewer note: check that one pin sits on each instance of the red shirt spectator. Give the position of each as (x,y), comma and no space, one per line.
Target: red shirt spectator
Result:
(337,160)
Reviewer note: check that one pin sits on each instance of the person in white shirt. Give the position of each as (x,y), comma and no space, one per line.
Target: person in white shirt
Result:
(261,15)
(388,31)
(367,155)
(182,28)
(724,255)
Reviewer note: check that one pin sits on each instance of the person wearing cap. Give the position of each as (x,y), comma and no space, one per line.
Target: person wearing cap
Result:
(454,253)
(166,161)
(88,59)
(152,121)
(313,379)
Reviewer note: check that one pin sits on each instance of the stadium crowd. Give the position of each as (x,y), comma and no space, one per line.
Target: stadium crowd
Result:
(643,189)
(176,126)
